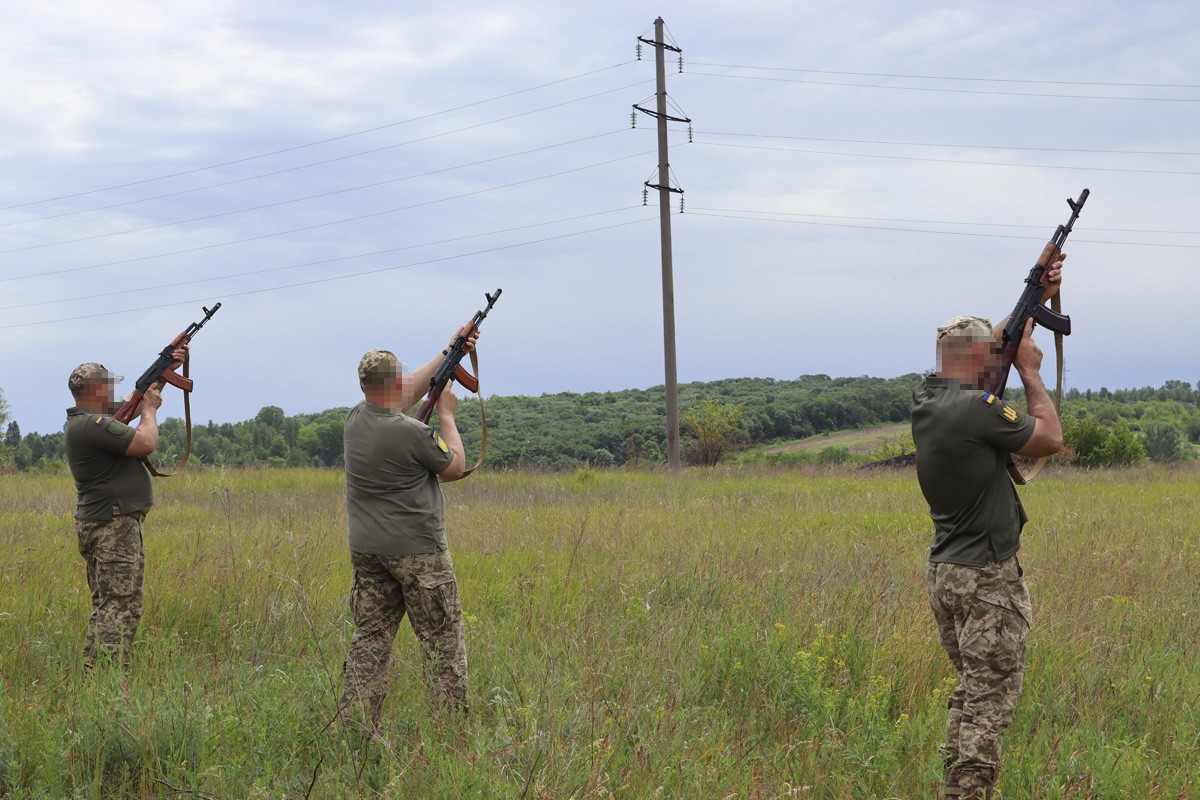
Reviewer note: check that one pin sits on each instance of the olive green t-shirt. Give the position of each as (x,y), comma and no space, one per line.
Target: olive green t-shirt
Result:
(963,436)
(96,445)
(393,498)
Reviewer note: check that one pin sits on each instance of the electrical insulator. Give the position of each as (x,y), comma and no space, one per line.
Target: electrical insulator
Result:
(633,119)
(681,62)
(645,196)
(689,134)
(639,51)
(680,204)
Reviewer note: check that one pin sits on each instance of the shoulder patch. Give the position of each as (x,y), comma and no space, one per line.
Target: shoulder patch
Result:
(113,426)
(989,398)
(437,439)
(1008,412)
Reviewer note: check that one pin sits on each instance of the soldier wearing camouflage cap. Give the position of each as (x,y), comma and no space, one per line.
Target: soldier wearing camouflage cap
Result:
(979,598)
(114,496)
(398,546)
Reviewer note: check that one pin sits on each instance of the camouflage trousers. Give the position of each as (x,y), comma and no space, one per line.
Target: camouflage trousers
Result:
(983,616)
(385,589)
(112,550)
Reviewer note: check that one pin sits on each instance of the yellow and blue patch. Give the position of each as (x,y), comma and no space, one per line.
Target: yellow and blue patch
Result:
(115,427)
(989,398)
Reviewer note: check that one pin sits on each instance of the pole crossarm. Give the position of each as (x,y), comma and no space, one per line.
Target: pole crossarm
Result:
(663,45)
(656,115)
(660,188)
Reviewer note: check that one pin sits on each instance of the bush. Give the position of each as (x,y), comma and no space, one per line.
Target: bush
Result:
(1092,444)
(833,455)
(1163,441)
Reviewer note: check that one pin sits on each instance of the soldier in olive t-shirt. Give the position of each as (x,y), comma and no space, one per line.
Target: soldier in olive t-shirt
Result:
(976,591)
(964,436)
(393,499)
(114,494)
(398,548)
(105,478)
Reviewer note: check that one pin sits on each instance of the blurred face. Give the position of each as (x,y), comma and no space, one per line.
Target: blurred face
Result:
(100,395)
(977,359)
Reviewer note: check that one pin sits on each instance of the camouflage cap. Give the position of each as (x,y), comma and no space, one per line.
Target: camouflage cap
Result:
(976,328)
(378,365)
(89,373)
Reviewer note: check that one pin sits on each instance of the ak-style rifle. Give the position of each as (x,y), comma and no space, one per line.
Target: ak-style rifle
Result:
(162,371)
(451,367)
(1029,306)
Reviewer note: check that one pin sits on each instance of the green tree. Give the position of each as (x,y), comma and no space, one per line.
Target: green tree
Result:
(1084,437)
(5,447)
(711,429)
(1163,441)
(323,441)
(1123,449)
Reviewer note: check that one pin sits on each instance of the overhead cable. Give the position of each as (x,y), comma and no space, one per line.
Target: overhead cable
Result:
(320,141)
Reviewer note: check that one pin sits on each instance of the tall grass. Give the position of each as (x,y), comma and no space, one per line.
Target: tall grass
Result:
(740,633)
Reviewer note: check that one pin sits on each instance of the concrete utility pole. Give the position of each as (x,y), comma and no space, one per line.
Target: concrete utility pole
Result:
(664,212)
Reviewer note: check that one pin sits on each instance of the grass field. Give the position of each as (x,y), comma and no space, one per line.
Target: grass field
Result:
(720,634)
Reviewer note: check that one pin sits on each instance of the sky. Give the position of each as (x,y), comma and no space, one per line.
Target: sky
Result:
(345,176)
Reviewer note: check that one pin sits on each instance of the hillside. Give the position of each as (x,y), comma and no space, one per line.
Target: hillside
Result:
(812,419)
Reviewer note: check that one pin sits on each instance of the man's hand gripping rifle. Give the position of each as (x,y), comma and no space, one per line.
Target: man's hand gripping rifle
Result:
(451,368)
(1030,304)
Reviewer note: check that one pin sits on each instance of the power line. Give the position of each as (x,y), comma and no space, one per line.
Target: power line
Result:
(955,77)
(320,141)
(935,221)
(954,145)
(323,162)
(951,160)
(176,283)
(360,187)
(976,234)
(326,224)
(225,296)
(948,90)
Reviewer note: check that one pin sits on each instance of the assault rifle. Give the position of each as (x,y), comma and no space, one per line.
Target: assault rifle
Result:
(451,368)
(1030,304)
(163,370)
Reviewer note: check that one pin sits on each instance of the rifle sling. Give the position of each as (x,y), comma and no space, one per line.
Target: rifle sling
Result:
(482,416)
(1013,471)
(187,415)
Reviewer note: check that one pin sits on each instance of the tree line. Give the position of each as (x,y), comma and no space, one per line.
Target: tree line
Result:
(604,429)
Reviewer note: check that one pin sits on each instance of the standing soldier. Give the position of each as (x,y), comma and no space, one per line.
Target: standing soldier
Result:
(979,598)
(114,496)
(398,549)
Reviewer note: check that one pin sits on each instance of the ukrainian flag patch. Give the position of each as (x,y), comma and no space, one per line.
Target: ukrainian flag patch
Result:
(989,398)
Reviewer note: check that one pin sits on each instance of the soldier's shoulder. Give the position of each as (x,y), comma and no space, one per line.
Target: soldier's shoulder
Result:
(108,424)
(996,406)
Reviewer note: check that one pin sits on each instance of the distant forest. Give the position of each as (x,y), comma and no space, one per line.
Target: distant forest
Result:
(606,429)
